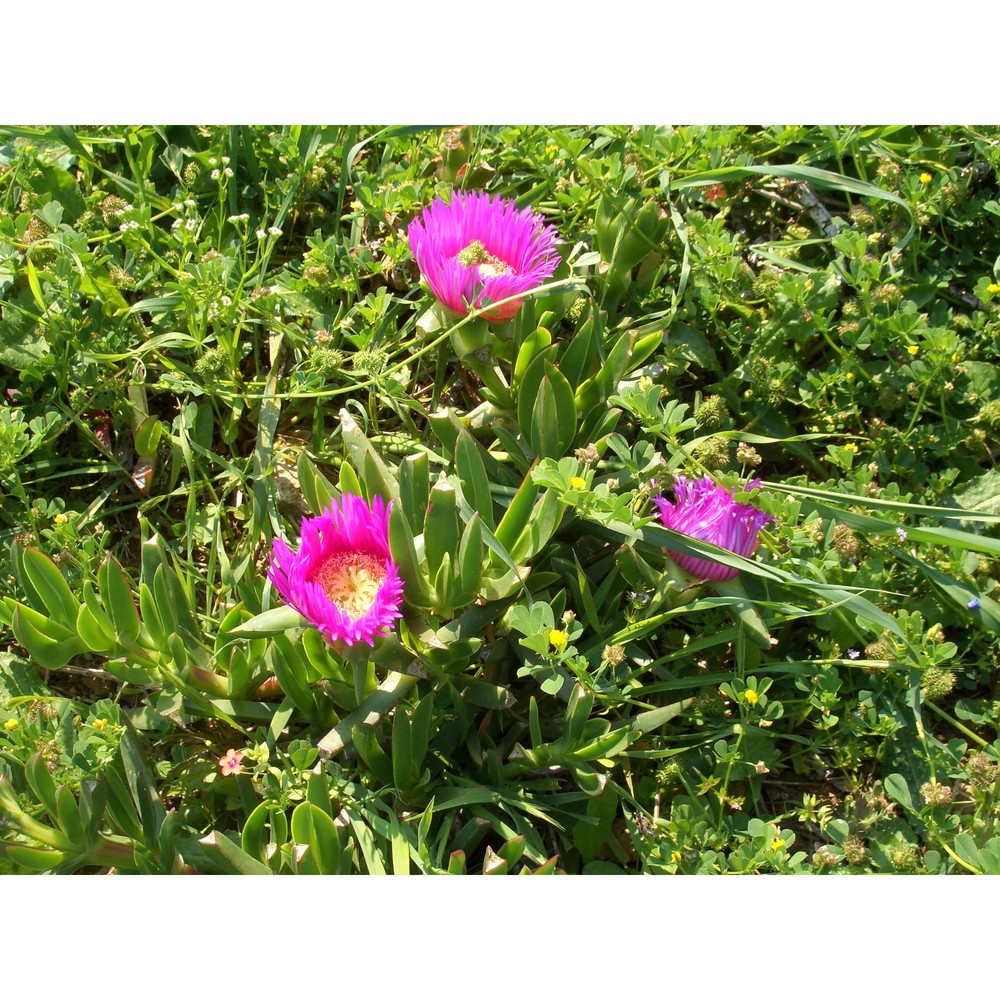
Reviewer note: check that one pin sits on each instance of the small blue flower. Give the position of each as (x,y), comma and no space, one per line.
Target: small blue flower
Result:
(901,534)
(973,604)
(853,654)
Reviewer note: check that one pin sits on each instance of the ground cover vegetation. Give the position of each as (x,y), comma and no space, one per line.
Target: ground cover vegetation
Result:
(502,500)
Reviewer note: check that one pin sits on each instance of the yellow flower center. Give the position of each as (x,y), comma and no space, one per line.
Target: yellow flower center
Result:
(351,581)
(489,265)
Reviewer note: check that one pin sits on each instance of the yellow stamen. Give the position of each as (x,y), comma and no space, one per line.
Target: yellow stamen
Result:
(489,265)
(351,581)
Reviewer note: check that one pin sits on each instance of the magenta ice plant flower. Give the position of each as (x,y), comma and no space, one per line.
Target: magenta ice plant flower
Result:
(477,249)
(342,579)
(706,511)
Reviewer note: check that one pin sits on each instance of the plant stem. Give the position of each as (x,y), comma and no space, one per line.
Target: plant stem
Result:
(378,704)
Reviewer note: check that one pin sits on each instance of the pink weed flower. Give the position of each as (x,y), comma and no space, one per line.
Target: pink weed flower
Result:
(231,762)
(706,511)
(342,579)
(477,249)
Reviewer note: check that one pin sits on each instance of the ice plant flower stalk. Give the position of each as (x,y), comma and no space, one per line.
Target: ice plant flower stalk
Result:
(708,512)
(477,249)
(342,579)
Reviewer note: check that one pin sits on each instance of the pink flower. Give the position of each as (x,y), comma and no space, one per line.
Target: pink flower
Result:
(478,249)
(342,579)
(231,762)
(710,513)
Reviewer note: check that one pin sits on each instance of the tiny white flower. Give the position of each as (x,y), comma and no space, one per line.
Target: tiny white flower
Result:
(226,300)
(190,202)
(215,175)
(261,234)
(191,225)
(133,224)
(212,161)
(123,226)
(228,171)
(239,218)
(175,224)
(274,231)
(225,160)
(901,534)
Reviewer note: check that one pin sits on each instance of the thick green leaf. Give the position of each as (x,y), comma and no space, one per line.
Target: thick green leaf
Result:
(312,826)
(116,594)
(472,475)
(414,490)
(46,651)
(441,527)
(42,784)
(229,858)
(52,587)
(269,623)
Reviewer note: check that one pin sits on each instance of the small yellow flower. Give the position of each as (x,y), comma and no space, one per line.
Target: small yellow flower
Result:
(645,382)
(851,447)
(11,724)
(926,178)
(558,638)
(777,844)
(912,350)
(676,857)
(750,696)
(956,357)
(60,519)
(551,150)
(100,723)
(578,483)
(993,288)
(849,376)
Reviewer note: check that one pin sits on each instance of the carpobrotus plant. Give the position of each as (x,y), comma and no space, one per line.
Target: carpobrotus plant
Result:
(342,579)
(476,250)
(710,513)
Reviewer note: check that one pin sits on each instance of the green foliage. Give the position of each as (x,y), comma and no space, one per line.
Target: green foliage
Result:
(207,333)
